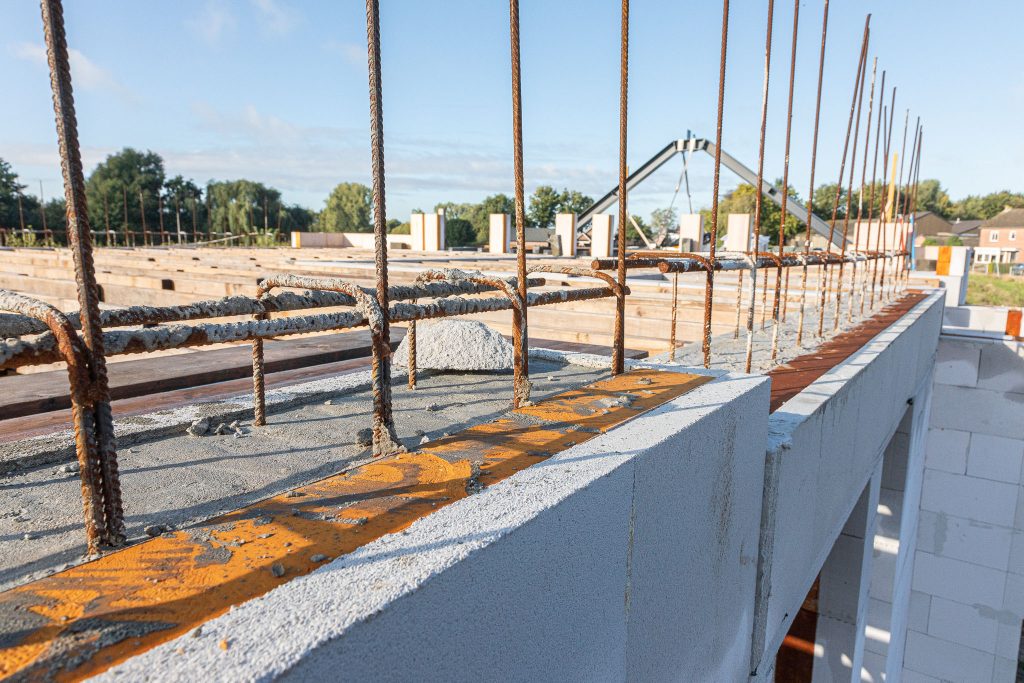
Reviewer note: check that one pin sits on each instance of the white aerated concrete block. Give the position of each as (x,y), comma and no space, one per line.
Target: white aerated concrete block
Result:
(1001,368)
(945,660)
(960,539)
(627,557)
(958,580)
(565,230)
(996,457)
(979,410)
(973,626)
(947,449)
(919,612)
(602,227)
(500,234)
(990,502)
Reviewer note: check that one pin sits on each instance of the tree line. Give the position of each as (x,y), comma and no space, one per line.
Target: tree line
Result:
(131,200)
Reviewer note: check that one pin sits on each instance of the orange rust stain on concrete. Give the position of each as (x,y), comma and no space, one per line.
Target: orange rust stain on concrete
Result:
(82,621)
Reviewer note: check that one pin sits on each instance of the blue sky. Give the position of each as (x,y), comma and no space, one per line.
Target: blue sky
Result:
(276,91)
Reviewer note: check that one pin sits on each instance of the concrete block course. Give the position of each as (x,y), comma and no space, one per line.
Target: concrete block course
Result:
(995,457)
(556,573)
(947,661)
(984,500)
(958,580)
(979,410)
(947,450)
(961,623)
(961,539)
(957,364)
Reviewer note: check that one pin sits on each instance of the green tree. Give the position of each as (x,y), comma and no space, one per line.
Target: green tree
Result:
(10,190)
(824,202)
(115,185)
(663,221)
(236,206)
(347,209)
(459,232)
(296,218)
(477,214)
(984,207)
(544,204)
(183,206)
(743,200)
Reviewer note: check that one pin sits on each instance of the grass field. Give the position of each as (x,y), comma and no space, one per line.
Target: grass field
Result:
(995,290)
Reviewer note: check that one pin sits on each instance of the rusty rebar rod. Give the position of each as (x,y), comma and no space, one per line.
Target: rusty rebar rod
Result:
(619,335)
(860,196)
(709,283)
(760,179)
(237,305)
(885,195)
(823,271)
(384,438)
(849,190)
(810,192)
(72,352)
(520,333)
(98,422)
(785,186)
(871,204)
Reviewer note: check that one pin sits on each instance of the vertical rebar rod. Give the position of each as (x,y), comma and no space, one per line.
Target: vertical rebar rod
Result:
(785,184)
(195,224)
(384,438)
(860,196)
(849,192)
(810,194)
(907,223)
(709,283)
(619,341)
(675,311)
(42,212)
(160,215)
(879,132)
(106,217)
(101,455)
(824,269)
(896,206)
(21,213)
(124,197)
(760,179)
(884,203)
(520,324)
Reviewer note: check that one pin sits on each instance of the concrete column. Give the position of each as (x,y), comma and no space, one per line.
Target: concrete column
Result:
(433,232)
(500,239)
(737,237)
(601,230)
(565,231)
(843,593)
(416,223)
(953,267)
(691,232)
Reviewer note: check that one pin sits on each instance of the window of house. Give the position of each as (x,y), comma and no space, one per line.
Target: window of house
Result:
(993,235)
(1013,236)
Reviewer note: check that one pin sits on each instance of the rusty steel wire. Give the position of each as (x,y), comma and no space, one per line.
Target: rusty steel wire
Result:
(810,193)
(823,271)
(785,185)
(709,283)
(520,324)
(98,422)
(871,204)
(760,179)
(849,191)
(619,335)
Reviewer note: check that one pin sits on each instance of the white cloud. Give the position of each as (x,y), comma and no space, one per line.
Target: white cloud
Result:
(351,53)
(212,22)
(276,19)
(85,73)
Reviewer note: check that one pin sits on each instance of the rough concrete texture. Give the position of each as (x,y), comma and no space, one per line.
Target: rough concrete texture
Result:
(823,446)
(557,573)
(729,351)
(456,345)
(176,480)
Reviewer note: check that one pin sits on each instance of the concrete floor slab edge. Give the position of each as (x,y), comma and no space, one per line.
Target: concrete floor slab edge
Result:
(364,586)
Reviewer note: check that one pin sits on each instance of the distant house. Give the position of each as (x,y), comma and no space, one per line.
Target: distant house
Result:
(967,231)
(1003,236)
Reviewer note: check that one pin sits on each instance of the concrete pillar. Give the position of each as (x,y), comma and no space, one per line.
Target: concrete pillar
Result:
(601,230)
(433,232)
(953,267)
(416,223)
(691,232)
(565,231)
(737,237)
(843,593)
(500,239)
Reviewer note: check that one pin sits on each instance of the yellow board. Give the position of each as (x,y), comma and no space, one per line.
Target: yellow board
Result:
(81,621)
(942,265)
